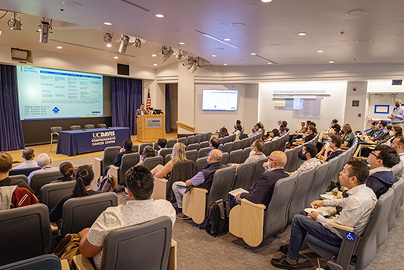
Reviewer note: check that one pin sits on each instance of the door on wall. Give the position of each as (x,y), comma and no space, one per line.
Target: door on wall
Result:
(171,107)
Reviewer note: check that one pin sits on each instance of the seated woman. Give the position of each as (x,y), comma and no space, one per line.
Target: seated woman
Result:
(84,175)
(282,130)
(273,135)
(67,171)
(311,133)
(148,151)
(373,129)
(237,128)
(177,155)
(223,132)
(348,137)
(331,149)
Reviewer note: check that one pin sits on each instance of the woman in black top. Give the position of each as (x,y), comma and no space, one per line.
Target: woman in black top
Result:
(84,175)
(311,133)
(67,171)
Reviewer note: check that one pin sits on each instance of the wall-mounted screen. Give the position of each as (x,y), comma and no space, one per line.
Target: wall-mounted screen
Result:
(45,93)
(219,100)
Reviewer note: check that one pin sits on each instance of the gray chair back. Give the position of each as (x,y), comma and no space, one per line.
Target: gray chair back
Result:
(102,126)
(24,171)
(314,190)
(75,127)
(268,148)
(156,146)
(246,154)
(151,162)
(181,171)
(41,178)
(151,239)
(193,146)
(109,156)
(244,174)
(190,139)
(245,143)
(222,182)
(296,161)
(221,140)
(298,203)
(191,154)
(81,212)
(203,144)
(204,136)
(135,148)
(143,145)
(198,138)
(208,136)
(225,158)
(42,262)
(227,147)
(183,140)
(25,233)
(53,192)
(236,145)
(289,159)
(276,215)
(235,156)
(220,147)
(201,163)
(340,166)
(398,191)
(400,202)
(20,177)
(258,170)
(165,151)
(203,152)
(170,143)
(56,130)
(167,158)
(127,162)
(333,163)
(89,126)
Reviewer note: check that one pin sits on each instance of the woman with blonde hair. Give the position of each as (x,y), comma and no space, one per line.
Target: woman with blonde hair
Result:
(177,155)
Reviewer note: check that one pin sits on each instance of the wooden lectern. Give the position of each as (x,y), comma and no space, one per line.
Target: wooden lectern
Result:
(150,127)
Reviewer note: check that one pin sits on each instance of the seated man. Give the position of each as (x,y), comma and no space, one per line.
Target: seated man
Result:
(398,145)
(202,179)
(6,162)
(29,162)
(253,132)
(264,187)
(138,209)
(126,149)
(373,129)
(308,154)
(356,210)
(45,163)
(380,132)
(214,143)
(256,151)
(381,160)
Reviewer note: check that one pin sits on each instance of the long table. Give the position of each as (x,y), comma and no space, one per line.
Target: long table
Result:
(75,142)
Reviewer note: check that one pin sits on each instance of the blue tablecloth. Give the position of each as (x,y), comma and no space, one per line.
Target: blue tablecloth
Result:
(74,142)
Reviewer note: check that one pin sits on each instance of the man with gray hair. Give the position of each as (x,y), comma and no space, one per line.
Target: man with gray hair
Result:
(44,162)
(29,162)
(202,179)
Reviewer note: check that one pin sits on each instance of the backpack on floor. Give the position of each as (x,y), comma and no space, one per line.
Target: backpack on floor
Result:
(106,184)
(218,218)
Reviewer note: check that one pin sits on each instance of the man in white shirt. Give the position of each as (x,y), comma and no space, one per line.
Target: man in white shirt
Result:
(398,145)
(29,162)
(138,209)
(356,210)
(45,163)
(308,154)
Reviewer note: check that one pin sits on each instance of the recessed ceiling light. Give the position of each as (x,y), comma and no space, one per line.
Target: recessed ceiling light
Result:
(159,15)
(109,45)
(107,23)
(266,1)
(59,47)
(227,39)
(238,24)
(153,55)
(269,63)
(253,53)
(225,64)
(213,55)
(155,65)
(320,51)
(115,57)
(72,3)
(274,45)
(302,34)
(356,12)
(181,43)
(363,41)
(331,61)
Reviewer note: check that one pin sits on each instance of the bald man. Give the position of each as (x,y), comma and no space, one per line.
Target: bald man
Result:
(397,116)
(264,187)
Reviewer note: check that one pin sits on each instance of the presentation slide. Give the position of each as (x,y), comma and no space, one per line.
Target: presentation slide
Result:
(219,100)
(50,93)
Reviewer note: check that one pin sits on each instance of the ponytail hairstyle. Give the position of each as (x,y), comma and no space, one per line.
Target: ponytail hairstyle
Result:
(66,169)
(84,175)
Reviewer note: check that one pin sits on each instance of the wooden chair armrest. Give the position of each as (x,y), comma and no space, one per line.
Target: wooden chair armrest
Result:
(172,260)
(82,263)
(245,202)
(200,190)
(114,173)
(97,168)
(341,227)
(65,264)
(159,190)
(194,204)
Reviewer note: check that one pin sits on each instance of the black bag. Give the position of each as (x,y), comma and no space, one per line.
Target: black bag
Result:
(106,184)
(218,218)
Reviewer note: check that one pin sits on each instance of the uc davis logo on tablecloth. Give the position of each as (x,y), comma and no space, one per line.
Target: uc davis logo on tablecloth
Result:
(100,138)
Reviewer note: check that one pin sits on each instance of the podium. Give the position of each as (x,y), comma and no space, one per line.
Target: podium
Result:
(150,127)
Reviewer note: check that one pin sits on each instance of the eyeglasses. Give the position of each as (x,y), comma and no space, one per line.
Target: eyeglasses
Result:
(270,159)
(372,153)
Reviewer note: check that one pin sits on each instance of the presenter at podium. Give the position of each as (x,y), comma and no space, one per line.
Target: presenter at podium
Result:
(141,110)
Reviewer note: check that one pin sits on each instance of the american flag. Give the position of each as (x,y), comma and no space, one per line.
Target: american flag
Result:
(148,102)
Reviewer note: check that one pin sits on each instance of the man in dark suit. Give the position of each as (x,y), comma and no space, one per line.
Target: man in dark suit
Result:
(264,187)
(141,110)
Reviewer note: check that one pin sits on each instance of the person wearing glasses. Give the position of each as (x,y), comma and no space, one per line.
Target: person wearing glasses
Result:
(381,177)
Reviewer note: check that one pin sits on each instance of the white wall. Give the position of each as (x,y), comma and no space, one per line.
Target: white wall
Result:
(332,106)
(356,91)
(250,106)
(214,120)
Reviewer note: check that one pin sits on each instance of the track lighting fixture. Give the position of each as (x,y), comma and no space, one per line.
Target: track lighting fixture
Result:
(123,44)
(44,28)
(137,43)
(108,36)
(167,52)
(14,22)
